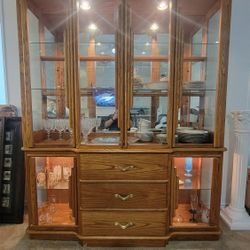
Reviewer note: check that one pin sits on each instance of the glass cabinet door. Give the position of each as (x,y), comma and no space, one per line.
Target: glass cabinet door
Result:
(55,195)
(151,22)
(193,195)
(97,76)
(198,43)
(47,22)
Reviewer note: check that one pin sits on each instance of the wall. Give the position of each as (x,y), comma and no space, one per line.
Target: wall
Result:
(11,52)
(3,88)
(238,97)
(238,94)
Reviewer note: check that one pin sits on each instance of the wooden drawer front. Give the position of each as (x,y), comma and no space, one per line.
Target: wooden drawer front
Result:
(123,195)
(123,223)
(123,166)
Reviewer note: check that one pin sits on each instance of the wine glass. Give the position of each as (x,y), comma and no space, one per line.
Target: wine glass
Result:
(188,166)
(69,129)
(52,204)
(48,126)
(194,202)
(87,124)
(60,127)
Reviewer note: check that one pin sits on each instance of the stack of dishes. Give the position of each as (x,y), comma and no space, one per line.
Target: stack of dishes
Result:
(190,135)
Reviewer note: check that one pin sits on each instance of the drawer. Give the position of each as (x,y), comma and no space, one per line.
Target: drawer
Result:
(122,223)
(123,166)
(123,195)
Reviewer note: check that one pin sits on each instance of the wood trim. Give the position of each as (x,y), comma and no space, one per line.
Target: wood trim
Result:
(216,192)
(123,181)
(172,74)
(177,64)
(32,190)
(222,73)
(26,99)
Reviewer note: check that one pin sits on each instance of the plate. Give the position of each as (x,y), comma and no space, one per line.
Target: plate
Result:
(104,140)
(193,132)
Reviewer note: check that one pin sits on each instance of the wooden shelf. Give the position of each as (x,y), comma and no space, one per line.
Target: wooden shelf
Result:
(61,216)
(183,216)
(136,58)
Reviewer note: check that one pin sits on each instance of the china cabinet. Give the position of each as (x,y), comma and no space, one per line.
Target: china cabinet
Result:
(123,118)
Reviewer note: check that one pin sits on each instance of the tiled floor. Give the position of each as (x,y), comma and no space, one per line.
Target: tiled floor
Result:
(13,237)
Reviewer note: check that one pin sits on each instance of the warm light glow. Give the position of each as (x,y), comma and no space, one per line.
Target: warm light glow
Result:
(162,5)
(84,5)
(154,27)
(92,27)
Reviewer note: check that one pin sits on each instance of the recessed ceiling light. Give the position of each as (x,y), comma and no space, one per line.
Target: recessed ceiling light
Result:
(147,44)
(154,27)
(98,44)
(92,27)
(84,5)
(143,53)
(162,5)
(113,50)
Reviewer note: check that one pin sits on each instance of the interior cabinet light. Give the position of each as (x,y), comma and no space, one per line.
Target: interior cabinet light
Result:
(92,27)
(154,27)
(162,5)
(84,5)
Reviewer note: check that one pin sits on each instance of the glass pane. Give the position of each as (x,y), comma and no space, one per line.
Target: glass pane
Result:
(50,108)
(196,117)
(54,194)
(194,175)
(149,109)
(197,43)
(97,27)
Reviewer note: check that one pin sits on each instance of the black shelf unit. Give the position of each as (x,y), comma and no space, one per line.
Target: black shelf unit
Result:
(12,175)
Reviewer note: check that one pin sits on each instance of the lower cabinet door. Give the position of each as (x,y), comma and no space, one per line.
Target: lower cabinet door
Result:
(123,223)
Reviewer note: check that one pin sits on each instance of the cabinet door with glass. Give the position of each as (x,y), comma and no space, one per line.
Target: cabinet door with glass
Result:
(47,28)
(125,79)
(98,84)
(54,197)
(151,85)
(197,55)
(196,191)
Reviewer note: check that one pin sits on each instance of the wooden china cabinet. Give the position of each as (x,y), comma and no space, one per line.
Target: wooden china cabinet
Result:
(123,118)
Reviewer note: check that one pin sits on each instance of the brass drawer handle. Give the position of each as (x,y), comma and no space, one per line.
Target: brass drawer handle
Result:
(125,168)
(129,224)
(124,197)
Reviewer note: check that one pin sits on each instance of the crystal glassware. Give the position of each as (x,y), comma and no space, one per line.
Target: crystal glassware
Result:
(48,126)
(60,127)
(188,166)
(87,125)
(194,202)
